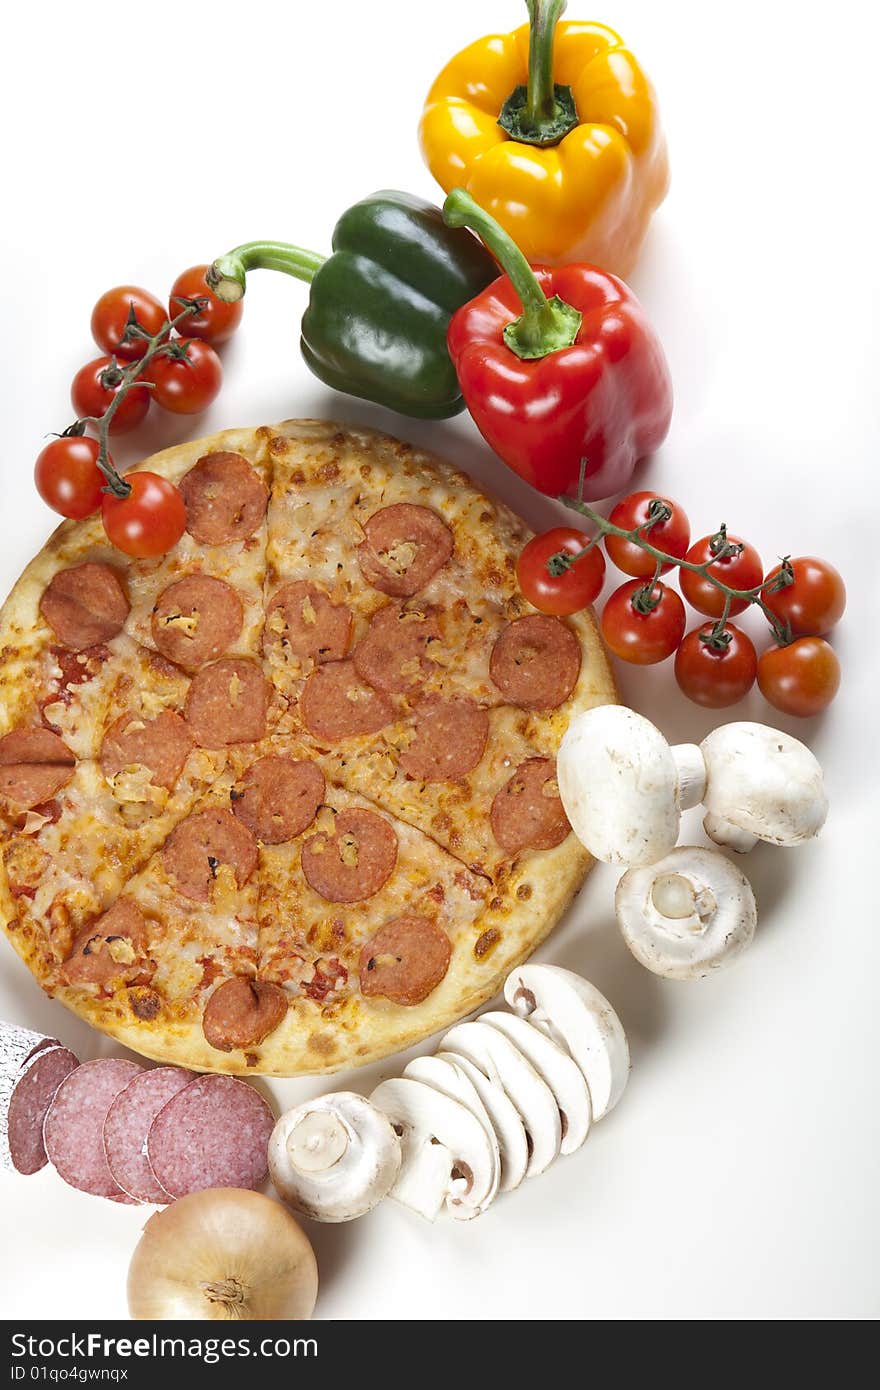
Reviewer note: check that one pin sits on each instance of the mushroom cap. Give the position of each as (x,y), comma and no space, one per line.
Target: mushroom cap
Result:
(573,1012)
(447,1154)
(556,1067)
(687,946)
(334,1158)
(505,1066)
(618,782)
(765,782)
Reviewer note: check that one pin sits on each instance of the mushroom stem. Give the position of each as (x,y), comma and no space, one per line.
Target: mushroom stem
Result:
(317,1142)
(691,768)
(724,832)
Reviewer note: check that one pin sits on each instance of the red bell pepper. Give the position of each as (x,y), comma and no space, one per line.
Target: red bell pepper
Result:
(558,365)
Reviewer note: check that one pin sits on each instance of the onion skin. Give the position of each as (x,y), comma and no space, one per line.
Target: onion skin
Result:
(224,1254)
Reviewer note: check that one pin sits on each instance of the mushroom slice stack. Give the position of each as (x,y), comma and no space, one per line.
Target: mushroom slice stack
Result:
(447,1155)
(555,1066)
(690,913)
(334,1158)
(506,1067)
(444,1075)
(572,1012)
(505,1119)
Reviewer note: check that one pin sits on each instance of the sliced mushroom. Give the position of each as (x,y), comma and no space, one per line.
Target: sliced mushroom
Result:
(444,1075)
(506,1121)
(690,913)
(573,1013)
(555,1066)
(447,1155)
(504,1064)
(335,1157)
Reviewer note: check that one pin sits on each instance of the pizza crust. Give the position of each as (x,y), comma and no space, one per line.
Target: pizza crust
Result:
(528,898)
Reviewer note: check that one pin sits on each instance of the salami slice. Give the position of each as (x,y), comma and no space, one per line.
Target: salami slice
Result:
(85,605)
(394,653)
(34,1092)
(404,546)
(449,740)
(162,745)
(74,1127)
(128,1124)
(225,499)
(112,951)
(336,704)
(199,846)
(34,765)
(527,812)
(214,1133)
(278,797)
(17,1044)
(227,703)
(405,960)
(535,662)
(352,860)
(301,621)
(196,619)
(242,1012)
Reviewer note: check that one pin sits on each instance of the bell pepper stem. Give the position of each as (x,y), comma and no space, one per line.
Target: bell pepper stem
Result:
(542,112)
(545,325)
(227,276)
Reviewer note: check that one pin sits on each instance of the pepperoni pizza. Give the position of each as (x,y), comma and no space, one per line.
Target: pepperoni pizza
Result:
(284,800)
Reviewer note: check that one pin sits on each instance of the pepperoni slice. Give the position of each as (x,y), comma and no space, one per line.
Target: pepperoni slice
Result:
(225,499)
(527,812)
(405,960)
(404,547)
(85,605)
(336,704)
(161,744)
(392,656)
(278,797)
(242,1012)
(227,703)
(196,620)
(450,739)
(302,621)
(199,846)
(354,860)
(34,765)
(112,950)
(535,662)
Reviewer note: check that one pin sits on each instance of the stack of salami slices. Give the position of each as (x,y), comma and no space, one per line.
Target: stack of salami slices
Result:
(116,1129)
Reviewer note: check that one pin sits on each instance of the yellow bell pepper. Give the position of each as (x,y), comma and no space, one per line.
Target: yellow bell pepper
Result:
(560,142)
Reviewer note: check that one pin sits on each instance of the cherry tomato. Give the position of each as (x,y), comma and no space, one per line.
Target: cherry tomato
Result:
(802,678)
(740,571)
(90,396)
(716,676)
(570,591)
(643,638)
(673,535)
(814,602)
(215,322)
(188,380)
(67,476)
(110,316)
(149,521)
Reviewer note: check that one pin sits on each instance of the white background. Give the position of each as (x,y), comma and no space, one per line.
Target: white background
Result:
(738,1176)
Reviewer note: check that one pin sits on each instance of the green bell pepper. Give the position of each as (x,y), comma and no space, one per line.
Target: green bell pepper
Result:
(380,305)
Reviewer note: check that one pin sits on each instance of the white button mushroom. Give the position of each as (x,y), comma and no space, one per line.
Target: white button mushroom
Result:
(761,784)
(573,1013)
(506,1067)
(443,1074)
(335,1157)
(447,1155)
(623,787)
(555,1066)
(690,913)
(506,1121)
